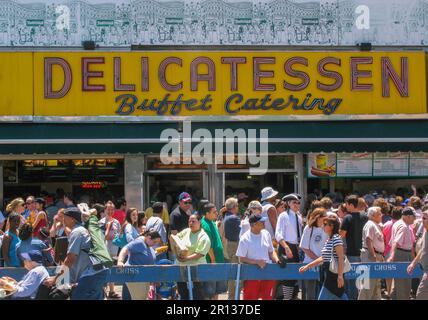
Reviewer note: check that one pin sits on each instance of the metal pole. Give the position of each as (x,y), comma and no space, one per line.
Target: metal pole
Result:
(237,289)
(189,283)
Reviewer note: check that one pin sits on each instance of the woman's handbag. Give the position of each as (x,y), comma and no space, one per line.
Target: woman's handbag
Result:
(334,265)
(120,240)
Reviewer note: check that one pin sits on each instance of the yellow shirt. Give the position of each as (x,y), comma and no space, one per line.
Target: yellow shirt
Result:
(164,215)
(32,217)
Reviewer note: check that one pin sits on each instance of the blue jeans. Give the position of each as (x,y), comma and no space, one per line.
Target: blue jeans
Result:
(350,287)
(91,287)
(325,294)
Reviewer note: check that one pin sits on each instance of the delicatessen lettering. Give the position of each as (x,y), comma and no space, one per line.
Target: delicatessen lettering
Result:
(222,83)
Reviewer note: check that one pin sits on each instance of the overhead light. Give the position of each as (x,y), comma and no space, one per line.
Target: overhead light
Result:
(89,45)
(365,46)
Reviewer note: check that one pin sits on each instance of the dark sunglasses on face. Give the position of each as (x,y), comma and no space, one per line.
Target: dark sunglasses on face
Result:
(29,202)
(295,202)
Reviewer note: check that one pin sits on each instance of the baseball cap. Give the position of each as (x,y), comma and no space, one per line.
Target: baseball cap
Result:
(157,207)
(41,201)
(408,212)
(74,213)
(256,218)
(292,196)
(184,196)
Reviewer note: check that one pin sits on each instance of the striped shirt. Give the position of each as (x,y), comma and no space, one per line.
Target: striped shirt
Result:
(334,241)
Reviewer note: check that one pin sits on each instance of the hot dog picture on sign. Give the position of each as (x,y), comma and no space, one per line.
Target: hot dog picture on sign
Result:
(321,165)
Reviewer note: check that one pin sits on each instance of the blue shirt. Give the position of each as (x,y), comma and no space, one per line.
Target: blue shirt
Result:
(79,243)
(139,253)
(130,232)
(32,244)
(13,258)
(31,282)
(232,226)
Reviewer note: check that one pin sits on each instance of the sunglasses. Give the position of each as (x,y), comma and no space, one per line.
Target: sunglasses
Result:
(29,202)
(295,202)
(187,202)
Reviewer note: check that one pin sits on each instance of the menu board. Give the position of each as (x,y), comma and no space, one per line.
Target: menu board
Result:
(354,164)
(418,164)
(322,165)
(394,164)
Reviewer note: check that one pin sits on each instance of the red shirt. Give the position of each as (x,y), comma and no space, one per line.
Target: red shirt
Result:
(119,215)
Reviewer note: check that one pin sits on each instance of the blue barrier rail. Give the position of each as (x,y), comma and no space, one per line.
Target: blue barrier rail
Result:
(225,271)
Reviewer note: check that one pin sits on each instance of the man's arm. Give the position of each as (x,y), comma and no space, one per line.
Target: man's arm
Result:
(212,256)
(273,256)
(273,217)
(172,225)
(122,255)
(70,259)
(344,228)
(415,262)
(246,260)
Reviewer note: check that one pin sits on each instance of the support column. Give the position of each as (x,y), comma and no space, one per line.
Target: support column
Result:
(134,181)
(215,186)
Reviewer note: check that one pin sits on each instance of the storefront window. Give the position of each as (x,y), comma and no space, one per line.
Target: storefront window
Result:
(95,179)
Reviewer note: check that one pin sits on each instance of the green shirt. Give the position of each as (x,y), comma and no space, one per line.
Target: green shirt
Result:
(212,231)
(198,242)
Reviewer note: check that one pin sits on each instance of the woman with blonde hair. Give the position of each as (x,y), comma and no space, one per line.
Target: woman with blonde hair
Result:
(16,205)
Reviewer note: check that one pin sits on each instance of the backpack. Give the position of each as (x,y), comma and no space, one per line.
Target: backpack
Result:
(98,253)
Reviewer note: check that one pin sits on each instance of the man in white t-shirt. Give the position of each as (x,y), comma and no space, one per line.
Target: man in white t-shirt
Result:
(255,247)
(372,251)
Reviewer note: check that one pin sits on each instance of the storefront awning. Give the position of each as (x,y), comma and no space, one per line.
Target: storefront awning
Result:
(76,138)
(337,136)
(305,136)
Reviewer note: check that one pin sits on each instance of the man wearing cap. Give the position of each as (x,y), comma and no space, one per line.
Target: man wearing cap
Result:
(90,282)
(288,234)
(179,217)
(29,285)
(255,247)
(402,240)
(269,210)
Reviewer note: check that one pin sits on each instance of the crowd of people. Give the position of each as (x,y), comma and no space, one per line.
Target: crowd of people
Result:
(86,240)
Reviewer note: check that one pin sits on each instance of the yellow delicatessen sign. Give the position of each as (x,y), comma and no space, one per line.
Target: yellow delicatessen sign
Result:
(212,83)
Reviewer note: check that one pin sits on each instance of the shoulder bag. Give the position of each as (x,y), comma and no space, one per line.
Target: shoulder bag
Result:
(334,265)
